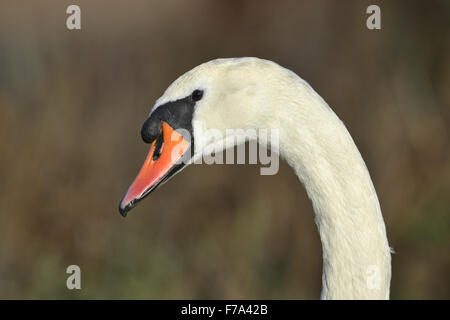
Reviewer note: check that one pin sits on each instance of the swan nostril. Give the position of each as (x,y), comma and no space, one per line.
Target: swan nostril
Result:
(158,147)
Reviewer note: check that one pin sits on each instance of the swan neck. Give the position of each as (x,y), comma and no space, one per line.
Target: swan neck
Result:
(356,254)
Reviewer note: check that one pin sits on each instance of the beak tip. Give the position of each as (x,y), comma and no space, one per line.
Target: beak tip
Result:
(123,210)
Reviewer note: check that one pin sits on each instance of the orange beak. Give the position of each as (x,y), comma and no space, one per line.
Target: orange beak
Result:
(162,162)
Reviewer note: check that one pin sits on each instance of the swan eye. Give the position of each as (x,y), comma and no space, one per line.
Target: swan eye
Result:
(197,95)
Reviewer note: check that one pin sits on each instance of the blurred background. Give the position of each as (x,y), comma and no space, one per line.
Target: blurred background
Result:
(72,104)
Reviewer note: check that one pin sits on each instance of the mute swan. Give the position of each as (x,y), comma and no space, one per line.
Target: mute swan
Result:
(254,93)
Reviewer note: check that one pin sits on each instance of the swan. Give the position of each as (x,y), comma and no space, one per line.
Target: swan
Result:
(252,93)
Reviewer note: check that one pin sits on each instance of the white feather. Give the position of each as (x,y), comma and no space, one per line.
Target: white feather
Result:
(251,93)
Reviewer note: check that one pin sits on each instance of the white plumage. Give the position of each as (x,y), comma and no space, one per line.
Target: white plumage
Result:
(250,93)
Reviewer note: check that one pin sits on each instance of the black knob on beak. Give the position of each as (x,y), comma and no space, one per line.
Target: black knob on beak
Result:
(151,129)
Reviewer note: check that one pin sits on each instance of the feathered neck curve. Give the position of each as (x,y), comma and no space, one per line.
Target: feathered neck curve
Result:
(356,254)
(252,93)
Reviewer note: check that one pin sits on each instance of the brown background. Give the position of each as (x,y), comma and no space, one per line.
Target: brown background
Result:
(71,107)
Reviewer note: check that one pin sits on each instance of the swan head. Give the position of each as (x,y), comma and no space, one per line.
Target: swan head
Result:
(196,113)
